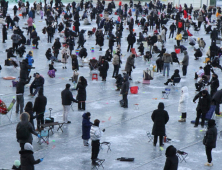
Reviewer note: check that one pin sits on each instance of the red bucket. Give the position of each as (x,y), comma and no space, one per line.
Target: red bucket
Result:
(134,89)
(177,50)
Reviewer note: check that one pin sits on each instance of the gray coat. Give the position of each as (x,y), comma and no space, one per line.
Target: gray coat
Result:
(167,58)
(185,61)
(25,122)
(129,63)
(200,18)
(125,86)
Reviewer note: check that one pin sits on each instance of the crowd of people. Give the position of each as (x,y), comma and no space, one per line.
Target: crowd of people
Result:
(151,17)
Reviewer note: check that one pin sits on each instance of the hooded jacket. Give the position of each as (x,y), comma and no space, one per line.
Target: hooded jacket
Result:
(172,159)
(86,126)
(185,61)
(214,83)
(204,101)
(40,103)
(25,122)
(125,86)
(211,135)
(176,74)
(27,158)
(183,102)
(129,63)
(167,58)
(160,117)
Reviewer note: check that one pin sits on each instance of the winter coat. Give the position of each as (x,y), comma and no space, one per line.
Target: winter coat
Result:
(201,43)
(179,37)
(129,63)
(207,69)
(217,96)
(30,59)
(83,53)
(40,104)
(214,34)
(125,85)
(131,39)
(108,55)
(103,68)
(86,126)
(20,85)
(65,53)
(172,159)
(160,117)
(15,38)
(67,97)
(183,102)
(32,117)
(100,40)
(204,102)
(75,65)
(38,82)
(200,18)
(27,158)
(24,67)
(185,61)
(167,58)
(119,81)
(210,137)
(116,60)
(25,122)
(141,49)
(81,96)
(95,133)
(163,34)
(172,28)
(81,38)
(214,84)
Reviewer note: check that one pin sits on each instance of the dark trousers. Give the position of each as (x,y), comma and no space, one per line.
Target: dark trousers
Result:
(82,105)
(171,33)
(178,43)
(116,70)
(29,30)
(36,89)
(159,68)
(129,73)
(15,46)
(129,47)
(212,92)
(217,109)
(196,76)
(208,153)
(199,113)
(118,42)
(199,24)
(125,100)
(111,48)
(95,149)
(50,38)
(184,115)
(184,69)
(40,120)
(168,81)
(198,86)
(160,139)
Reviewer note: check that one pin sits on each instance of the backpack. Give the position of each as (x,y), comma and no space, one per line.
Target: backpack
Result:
(22,131)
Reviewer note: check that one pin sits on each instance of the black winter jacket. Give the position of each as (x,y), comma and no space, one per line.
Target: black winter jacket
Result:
(40,103)
(160,117)
(67,97)
(204,102)
(131,39)
(81,92)
(27,160)
(20,86)
(217,96)
(38,82)
(172,159)
(210,137)
(125,86)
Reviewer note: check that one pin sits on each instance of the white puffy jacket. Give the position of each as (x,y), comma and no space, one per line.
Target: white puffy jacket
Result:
(95,133)
(183,102)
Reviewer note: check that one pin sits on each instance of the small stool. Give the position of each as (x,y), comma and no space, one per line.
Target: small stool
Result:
(95,76)
(150,137)
(108,144)
(182,155)
(136,106)
(99,163)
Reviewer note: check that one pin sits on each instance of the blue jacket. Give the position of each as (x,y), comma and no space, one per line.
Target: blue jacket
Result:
(86,125)
(31,14)
(30,59)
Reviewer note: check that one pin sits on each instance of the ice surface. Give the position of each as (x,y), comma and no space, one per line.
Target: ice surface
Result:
(125,128)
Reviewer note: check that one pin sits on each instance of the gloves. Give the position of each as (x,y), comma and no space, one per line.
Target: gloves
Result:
(41,159)
(104,130)
(39,136)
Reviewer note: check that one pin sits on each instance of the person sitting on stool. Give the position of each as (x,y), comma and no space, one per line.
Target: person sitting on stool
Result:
(176,74)
(37,84)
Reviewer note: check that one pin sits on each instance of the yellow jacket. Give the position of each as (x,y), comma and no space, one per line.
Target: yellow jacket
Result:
(179,37)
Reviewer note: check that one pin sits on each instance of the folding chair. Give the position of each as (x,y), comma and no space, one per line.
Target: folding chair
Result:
(9,109)
(99,163)
(44,137)
(182,155)
(108,144)
(166,93)
(150,137)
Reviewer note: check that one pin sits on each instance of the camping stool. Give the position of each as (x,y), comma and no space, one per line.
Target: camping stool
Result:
(95,76)
(150,137)
(99,162)
(136,106)
(166,93)
(44,137)
(182,155)
(108,144)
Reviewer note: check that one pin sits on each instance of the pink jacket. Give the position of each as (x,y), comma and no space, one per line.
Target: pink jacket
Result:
(30,21)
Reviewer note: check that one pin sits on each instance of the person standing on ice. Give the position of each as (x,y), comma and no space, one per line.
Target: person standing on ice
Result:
(209,141)
(86,126)
(124,90)
(183,102)
(172,159)
(160,117)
